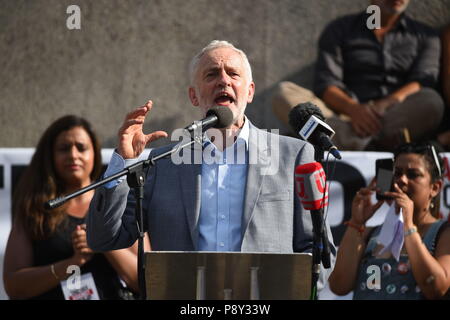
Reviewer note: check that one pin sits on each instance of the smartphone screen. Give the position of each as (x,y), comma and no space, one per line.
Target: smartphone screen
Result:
(384,176)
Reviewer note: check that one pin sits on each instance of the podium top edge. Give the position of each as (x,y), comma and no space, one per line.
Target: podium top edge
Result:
(231,252)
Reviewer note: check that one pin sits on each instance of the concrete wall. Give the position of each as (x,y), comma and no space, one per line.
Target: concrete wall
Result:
(129,51)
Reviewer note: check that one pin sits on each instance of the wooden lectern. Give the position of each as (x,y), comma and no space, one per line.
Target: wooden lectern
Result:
(177,275)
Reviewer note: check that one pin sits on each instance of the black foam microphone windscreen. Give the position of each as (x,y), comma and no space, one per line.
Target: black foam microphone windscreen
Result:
(301,113)
(224,116)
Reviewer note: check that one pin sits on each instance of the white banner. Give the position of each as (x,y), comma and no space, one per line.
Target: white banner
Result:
(355,170)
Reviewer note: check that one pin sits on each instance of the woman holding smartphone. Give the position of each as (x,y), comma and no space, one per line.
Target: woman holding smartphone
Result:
(423,269)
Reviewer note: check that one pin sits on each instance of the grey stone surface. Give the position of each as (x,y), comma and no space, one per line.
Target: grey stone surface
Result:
(129,51)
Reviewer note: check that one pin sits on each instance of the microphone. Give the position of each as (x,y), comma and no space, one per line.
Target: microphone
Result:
(308,121)
(310,183)
(216,117)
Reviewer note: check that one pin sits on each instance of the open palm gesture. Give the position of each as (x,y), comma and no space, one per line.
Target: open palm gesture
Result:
(132,140)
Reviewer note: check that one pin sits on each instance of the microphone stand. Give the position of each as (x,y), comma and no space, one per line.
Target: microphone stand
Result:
(136,180)
(321,244)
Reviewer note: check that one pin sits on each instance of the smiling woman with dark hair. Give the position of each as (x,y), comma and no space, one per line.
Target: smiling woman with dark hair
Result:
(43,244)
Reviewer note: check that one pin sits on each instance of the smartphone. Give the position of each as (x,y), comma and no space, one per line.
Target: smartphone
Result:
(384,176)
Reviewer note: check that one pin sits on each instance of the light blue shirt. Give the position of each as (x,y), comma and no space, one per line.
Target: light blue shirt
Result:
(224,177)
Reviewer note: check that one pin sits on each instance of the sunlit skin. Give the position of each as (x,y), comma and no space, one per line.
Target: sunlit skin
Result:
(222,80)
(74,158)
(132,140)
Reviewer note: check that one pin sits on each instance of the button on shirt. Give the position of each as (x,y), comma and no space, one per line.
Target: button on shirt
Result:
(352,59)
(224,177)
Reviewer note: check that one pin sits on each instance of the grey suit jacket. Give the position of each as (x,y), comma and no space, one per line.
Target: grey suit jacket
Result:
(273,218)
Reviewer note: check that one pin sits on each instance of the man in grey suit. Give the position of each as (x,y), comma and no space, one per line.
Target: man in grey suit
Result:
(219,204)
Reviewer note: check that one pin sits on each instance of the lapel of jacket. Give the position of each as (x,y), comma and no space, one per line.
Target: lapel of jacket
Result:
(190,183)
(258,164)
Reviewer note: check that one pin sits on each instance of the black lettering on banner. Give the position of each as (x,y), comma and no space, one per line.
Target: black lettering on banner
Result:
(446,194)
(2,177)
(352,180)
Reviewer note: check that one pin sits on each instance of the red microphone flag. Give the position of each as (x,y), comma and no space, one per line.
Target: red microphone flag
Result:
(310,185)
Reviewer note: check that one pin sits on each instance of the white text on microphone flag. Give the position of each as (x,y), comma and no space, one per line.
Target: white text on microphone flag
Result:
(310,186)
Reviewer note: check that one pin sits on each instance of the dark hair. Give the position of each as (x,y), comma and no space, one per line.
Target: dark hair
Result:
(433,161)
(40,182)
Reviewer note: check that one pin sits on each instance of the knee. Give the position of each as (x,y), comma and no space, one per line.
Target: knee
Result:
(430,101)
(283,89)
(283,99)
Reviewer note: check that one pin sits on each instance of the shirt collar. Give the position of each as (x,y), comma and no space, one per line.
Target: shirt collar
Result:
(242,137)
(245,132)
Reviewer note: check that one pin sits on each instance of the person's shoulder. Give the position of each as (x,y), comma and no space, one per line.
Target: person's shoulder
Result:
(419,27)
(275,135)
(341,27)
(292,141)
(285,142)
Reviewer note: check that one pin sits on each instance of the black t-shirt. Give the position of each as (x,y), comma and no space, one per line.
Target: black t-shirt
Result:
(58,247)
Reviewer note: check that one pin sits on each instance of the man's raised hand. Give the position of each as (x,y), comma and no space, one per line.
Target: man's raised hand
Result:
(132,140)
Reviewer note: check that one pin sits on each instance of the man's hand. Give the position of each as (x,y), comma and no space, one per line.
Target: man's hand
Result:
(381,105)
(132,140)
(365,121)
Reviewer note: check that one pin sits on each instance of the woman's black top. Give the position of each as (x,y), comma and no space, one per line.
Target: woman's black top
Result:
(58,247)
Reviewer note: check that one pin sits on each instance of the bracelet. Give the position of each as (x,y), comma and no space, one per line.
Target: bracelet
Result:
(410,231)
(52,268)
(360,229)
(430,279)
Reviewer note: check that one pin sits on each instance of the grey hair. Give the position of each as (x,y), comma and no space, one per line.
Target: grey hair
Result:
(216,44)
